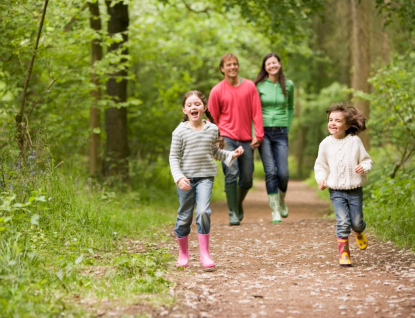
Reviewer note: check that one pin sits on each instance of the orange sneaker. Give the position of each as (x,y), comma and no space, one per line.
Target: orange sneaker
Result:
(361,240)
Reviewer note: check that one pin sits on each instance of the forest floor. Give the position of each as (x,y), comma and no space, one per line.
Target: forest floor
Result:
(289,269)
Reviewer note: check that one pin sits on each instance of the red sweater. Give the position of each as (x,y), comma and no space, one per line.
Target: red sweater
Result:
(235,108)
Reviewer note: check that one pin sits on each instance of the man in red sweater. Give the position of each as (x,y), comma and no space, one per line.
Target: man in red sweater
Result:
(234,104)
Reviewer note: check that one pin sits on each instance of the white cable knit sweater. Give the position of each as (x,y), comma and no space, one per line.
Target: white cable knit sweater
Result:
(337,159)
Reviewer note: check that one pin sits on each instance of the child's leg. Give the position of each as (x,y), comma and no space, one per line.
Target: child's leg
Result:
(342,211)
(355,198)
(187,201)
(356,217)
(203,193)
(203,212)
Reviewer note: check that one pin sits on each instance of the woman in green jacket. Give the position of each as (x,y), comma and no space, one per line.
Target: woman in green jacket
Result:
(277,101)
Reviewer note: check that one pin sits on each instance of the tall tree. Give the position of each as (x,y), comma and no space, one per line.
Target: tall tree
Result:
(360,54)
(94,112)
(20,121)
(117,150)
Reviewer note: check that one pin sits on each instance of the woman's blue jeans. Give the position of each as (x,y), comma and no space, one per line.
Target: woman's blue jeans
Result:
(274,155)
(243,167)
(348,208)
(199,195)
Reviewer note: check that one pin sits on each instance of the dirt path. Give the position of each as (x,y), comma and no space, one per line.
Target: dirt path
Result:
(290,269)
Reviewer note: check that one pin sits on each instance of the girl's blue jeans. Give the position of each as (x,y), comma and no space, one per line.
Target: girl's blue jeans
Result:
(349,213)
(243,167)
(199,195)
(274,155)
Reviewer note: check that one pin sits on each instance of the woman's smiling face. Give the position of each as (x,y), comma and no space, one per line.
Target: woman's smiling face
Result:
(272,66)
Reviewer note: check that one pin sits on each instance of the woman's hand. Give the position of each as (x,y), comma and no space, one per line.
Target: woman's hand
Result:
(359,169)
(238,152)
(322,184)
(184,184)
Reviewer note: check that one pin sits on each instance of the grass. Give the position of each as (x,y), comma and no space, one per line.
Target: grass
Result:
(64,239)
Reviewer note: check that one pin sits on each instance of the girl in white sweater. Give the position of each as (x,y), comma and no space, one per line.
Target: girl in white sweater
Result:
(342,166)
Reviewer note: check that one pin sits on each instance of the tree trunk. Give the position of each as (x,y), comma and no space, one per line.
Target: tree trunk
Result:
(117,151)
(21,125)
(360,49)
(94,112)
(300,142)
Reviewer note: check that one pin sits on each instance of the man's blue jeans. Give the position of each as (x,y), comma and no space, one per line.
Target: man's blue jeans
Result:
(199,195)
(243,167)
(348,208)
(274,155)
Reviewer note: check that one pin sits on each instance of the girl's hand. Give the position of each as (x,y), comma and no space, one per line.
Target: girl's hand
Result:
(322,184)
(184,184)
(238,152)
(359,169)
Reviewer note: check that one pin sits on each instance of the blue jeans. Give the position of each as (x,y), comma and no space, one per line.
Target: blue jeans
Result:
(199,195)
(349,213)
(243,167)
(274,155)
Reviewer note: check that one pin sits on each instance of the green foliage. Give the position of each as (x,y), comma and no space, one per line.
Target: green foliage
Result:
(310,126)
(57,229)
(393,115)
(390,208)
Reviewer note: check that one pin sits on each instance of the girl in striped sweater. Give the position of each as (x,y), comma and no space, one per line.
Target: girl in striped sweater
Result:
(195,143)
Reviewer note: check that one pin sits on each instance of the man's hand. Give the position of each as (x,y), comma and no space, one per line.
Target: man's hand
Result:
(255,143)
(184,184)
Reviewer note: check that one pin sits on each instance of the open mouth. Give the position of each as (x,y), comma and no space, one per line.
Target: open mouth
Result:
(194,113)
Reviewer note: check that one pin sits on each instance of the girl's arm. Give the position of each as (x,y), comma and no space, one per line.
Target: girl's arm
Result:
(365,161)
(223,155)
(321,167)
(175,156)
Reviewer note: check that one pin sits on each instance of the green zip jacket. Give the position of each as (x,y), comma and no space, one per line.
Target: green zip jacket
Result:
(277,110)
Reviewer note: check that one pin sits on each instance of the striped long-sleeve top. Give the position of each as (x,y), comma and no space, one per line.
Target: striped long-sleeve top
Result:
(192,152)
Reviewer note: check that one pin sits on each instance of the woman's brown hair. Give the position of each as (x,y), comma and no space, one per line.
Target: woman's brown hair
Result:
(263,74)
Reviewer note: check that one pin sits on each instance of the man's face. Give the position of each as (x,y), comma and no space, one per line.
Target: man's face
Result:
(230,68)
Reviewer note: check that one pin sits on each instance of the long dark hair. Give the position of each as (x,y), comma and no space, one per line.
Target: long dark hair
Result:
(263,74)
(352,116)
(220,141)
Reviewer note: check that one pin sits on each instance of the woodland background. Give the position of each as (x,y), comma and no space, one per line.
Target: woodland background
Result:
(90,92)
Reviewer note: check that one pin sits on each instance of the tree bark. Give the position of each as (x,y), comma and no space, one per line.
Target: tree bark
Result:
(117,150)
(360,54)
(94,112)
(300,142)
(21,126)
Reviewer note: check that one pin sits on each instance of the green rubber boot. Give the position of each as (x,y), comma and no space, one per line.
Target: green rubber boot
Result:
(241,197)
(274,204)
(231,191)
(283,206)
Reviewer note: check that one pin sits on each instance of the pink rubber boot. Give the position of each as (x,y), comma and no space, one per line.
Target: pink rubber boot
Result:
(183,260)
(205,258)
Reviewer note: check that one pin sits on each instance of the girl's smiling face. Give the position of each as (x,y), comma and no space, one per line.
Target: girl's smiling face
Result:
(194,109)
(337,125)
